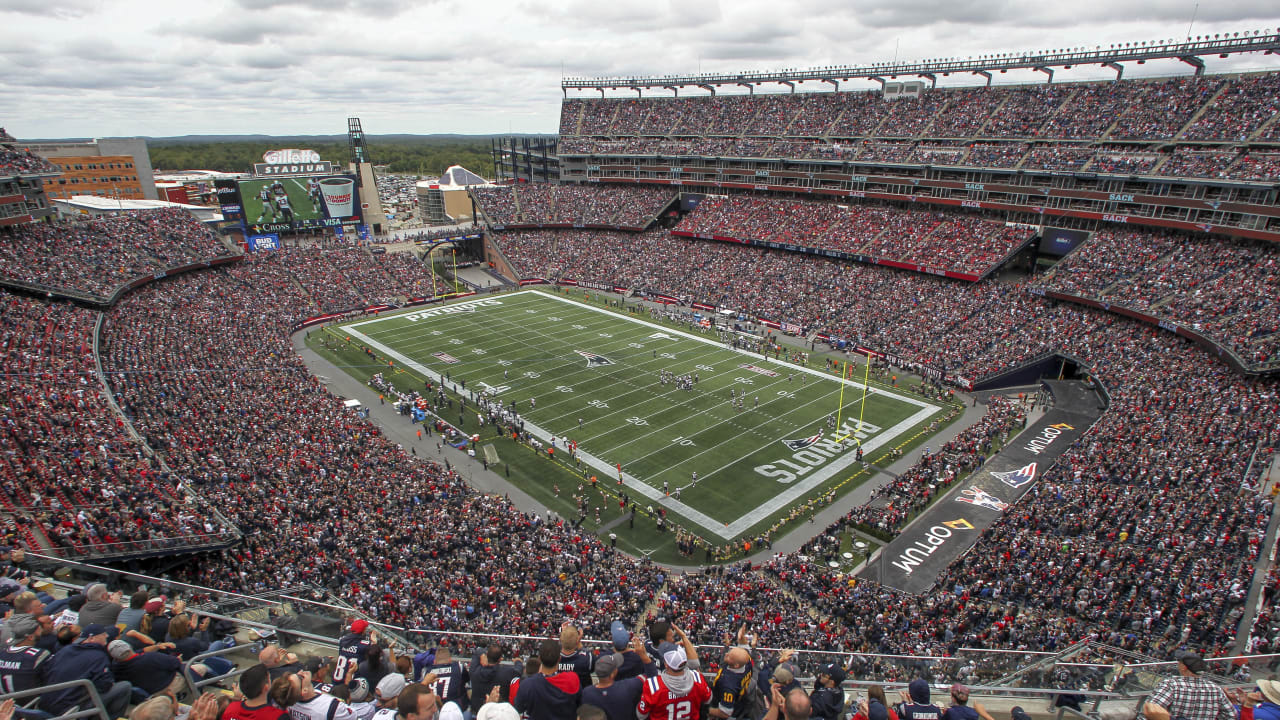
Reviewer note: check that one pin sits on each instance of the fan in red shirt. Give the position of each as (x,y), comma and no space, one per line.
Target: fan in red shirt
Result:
(679,691)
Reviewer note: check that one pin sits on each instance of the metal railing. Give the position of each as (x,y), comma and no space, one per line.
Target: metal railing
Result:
(98,710)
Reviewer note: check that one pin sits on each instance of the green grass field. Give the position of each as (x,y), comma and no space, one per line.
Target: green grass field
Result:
(581,372)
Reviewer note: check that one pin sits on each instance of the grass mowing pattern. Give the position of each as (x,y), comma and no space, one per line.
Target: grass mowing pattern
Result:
(532,346)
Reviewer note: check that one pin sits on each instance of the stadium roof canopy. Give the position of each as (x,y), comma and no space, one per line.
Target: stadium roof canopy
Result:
(1189,51)
(459,176)
(95,205)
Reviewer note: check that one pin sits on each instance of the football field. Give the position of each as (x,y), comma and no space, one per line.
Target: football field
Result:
(580,372)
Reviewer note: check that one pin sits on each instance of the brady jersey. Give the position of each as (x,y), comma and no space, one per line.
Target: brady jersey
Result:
(579,663)
(352,648)
(658,702)
(22,668)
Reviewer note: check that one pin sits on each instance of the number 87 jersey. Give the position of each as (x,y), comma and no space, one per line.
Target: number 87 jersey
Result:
(659,701)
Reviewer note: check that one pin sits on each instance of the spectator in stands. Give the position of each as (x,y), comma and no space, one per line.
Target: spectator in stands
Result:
(387,694)
(572,656)
(190,643)
(488,672)
(827,699)
(312,704)
(734,689)
(278,661)
(960,708)
(86,659)
(551,694)
(131,617)
(252,704)
(1188,695)
(417,702)
(101,607)
(149,672)
(679,684)
(915,703)
(618,698)
(23,666)
(793,705)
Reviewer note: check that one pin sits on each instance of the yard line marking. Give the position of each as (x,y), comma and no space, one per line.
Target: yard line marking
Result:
(789,495)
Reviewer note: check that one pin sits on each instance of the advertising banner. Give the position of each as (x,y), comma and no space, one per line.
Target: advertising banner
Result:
(262,243)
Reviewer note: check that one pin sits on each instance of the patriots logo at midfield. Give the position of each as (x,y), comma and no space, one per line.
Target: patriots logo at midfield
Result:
(802,443)
(1017,478)
(975,495)
(594,360)
(660,336)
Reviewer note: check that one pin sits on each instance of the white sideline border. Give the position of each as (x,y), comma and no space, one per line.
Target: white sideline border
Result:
(608,470)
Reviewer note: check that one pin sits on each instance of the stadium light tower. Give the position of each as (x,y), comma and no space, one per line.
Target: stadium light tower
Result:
(355,138)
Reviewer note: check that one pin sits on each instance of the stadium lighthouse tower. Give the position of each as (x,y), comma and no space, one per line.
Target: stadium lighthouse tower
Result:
(362,166)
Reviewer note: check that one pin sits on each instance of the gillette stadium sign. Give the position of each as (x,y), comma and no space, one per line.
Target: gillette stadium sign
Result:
(292,161)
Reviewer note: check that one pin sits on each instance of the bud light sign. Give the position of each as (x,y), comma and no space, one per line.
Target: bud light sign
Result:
(263,243)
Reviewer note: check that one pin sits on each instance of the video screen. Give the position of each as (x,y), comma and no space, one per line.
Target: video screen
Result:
(1060,241)
(300,202)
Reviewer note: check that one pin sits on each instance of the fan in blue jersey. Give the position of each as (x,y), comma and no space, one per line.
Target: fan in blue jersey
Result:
(450,680)
(572,657)
(22,665)
(352,648)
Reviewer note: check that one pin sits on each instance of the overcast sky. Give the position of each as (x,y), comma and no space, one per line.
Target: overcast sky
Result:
(73,68)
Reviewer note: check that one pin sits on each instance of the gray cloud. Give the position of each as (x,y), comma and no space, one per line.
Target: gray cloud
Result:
(64,9)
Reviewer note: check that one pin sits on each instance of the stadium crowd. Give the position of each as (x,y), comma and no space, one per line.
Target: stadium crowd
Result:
(942,241)
(15,160)
(1227,290)
(1143,536)
(821,125)
(96,257)
(71,474)
(545,204)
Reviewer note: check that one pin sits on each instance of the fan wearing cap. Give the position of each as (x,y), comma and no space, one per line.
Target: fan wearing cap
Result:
(1188,695)
(1260,704)
(679,690)
(361,698)
(387,692)
(23,665)
(352,648)
(915,703)
(252,703)
(86,659)
(618,698)
(960,708)
(827,698)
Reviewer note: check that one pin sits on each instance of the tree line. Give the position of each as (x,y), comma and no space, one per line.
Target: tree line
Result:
(426,156)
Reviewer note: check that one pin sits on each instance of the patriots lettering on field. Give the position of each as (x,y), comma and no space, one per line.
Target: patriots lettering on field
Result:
(813,452)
